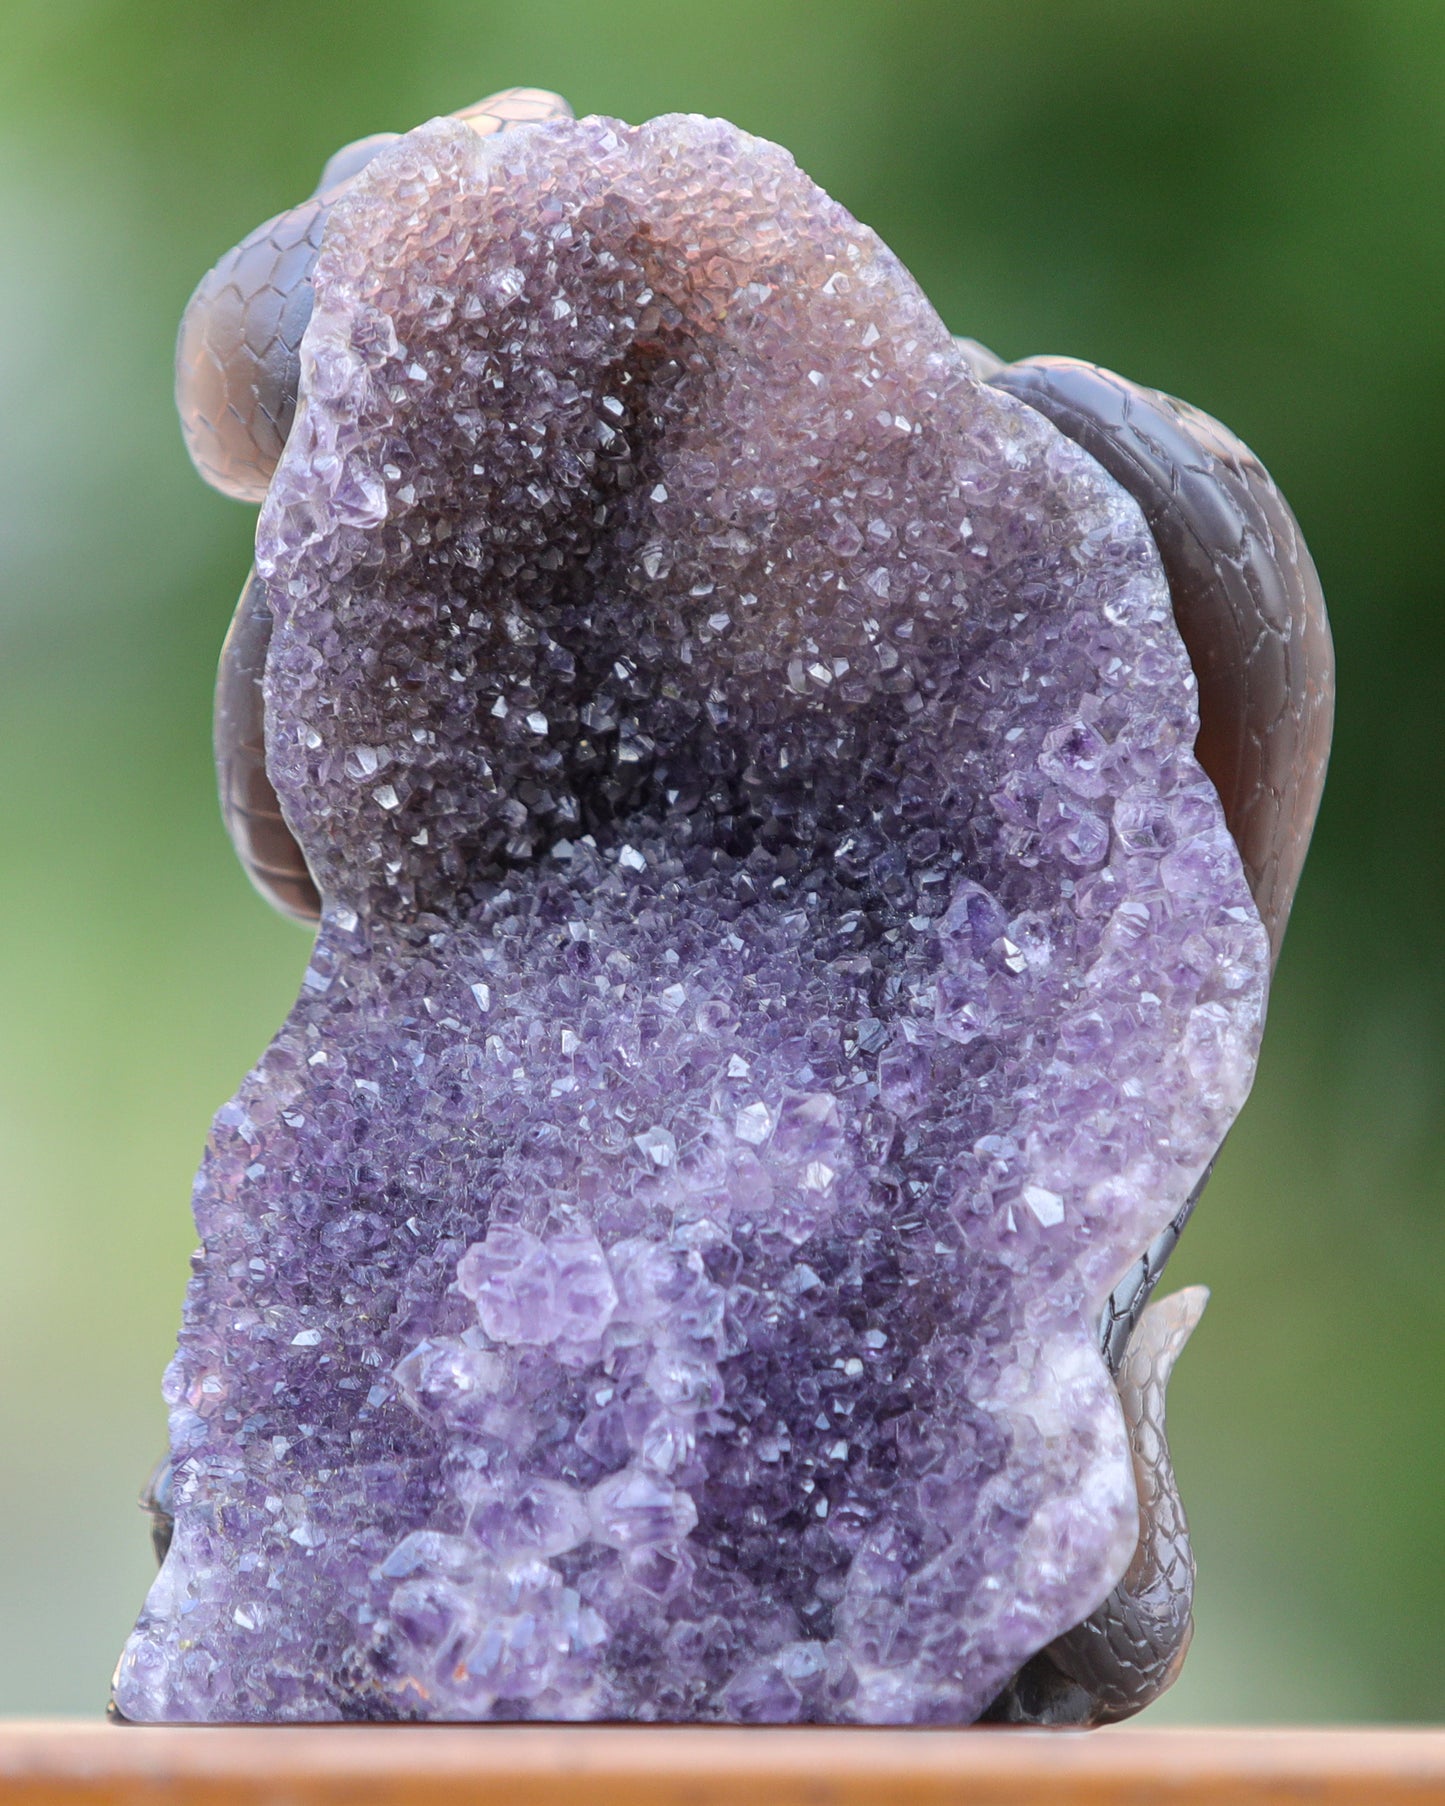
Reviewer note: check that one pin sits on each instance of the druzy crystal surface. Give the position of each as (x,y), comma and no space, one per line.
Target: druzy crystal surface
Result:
(780,964)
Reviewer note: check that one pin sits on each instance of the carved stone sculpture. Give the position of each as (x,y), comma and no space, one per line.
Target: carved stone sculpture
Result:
(782,970)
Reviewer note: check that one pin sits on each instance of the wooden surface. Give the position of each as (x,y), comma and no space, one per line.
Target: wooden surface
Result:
(65,1763)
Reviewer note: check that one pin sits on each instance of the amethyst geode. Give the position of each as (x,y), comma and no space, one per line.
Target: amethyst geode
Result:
(780,963)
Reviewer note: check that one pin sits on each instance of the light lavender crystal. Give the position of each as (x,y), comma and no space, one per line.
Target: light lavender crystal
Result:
(781,962)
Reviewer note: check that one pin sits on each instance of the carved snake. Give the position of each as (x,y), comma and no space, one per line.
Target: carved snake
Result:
(1249,608)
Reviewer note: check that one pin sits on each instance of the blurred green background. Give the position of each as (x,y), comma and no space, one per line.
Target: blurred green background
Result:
(1241,203)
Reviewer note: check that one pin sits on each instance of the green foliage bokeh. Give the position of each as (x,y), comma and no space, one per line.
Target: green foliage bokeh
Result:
(1238,203)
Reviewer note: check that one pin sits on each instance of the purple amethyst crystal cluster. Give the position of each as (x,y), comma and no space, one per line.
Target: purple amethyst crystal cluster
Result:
(780,963)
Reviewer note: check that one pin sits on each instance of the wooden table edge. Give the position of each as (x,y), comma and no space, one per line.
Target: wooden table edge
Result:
(90,1763)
